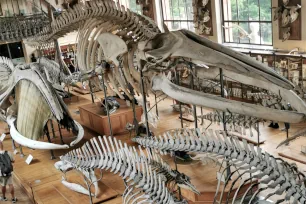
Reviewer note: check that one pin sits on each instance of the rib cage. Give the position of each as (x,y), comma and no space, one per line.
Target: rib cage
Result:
(21,27)
(138,26)
(271,172)
(139,171)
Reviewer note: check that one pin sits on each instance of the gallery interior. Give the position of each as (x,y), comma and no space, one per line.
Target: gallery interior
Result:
(153,101)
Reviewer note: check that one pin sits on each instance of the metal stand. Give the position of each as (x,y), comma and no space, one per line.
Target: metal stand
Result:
(13,145)
(180,104)
(177,73)
(287,126)
(258,135)
(156,108)
(222,95)
(91,93)
(228,170)
(52,128)
(144,102)
(60,132)
(194,106)
(21,152)
(179,188)
(106,106)
(49,139)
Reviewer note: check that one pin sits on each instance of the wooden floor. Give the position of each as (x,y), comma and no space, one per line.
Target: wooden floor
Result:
(45,179)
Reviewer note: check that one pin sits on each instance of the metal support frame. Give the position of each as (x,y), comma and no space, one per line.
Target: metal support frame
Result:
(91,92)
(177,74)
(156,108)
(194,106)
(135,121)
(49,139)
(52,129)
(180,104)
(222,95)
(258,135)
(228,170)
(106,106)
(60,133)
(21,152)
(144,98)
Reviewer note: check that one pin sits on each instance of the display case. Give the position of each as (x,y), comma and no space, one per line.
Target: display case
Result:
(292,67)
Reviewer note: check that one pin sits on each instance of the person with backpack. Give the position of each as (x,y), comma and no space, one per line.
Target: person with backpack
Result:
(6,171)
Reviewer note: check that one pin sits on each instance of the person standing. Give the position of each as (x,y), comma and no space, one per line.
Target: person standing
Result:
(6,170)
(33,58)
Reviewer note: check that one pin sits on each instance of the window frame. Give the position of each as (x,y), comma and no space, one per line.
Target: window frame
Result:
(188,21)
(126,4)
(248,22)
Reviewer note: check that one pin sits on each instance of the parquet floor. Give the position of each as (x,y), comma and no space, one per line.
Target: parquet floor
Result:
(45,179)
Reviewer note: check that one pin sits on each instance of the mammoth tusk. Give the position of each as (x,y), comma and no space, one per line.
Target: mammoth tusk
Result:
(33,144)
(186,95)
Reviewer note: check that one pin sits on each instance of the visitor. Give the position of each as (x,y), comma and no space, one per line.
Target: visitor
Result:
(33,58)
(6,170)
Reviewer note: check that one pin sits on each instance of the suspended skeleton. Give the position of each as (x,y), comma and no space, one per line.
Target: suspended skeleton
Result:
(135,49)
(269,172)
(133,44)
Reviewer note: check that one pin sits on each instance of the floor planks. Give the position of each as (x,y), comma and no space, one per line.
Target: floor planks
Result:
(45,179)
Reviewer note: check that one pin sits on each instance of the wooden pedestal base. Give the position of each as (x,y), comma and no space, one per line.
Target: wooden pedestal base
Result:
(81,91)
(94,118)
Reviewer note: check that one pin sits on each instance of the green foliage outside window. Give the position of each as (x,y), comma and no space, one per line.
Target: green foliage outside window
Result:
(249,11)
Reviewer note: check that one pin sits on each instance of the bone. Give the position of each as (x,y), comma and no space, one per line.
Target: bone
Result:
(76,187)
(28,142)
(185,95)
(244,157)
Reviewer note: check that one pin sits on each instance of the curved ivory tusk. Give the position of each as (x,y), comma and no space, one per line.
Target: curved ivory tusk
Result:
(33,144)
(76,187)
(79,136)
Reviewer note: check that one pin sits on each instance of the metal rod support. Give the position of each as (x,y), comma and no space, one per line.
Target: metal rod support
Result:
(180,104)
(156,108)
(52,128)
(91,92)
(60,133)
(49,139)
(106,105)
(194,106)
(144,98)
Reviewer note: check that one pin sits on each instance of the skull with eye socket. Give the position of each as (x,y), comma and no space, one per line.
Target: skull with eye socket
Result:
(157,51)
